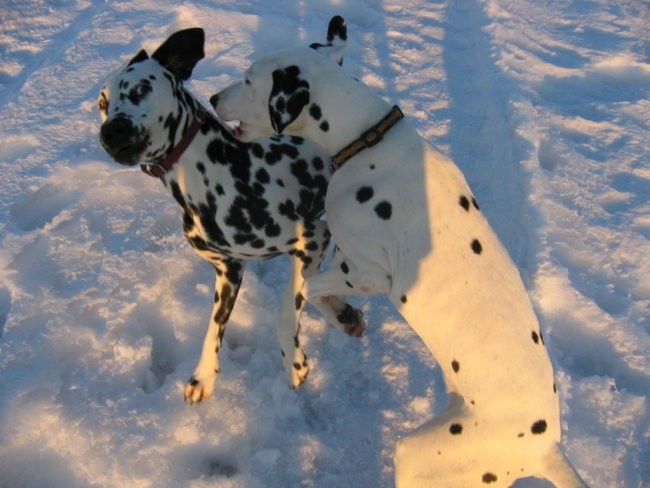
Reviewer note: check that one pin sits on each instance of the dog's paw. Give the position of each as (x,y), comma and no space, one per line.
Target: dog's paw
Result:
(197,390)
(356,325)
(299,370)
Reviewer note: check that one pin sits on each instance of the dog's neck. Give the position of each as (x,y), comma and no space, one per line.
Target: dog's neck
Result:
(177,127)
(160,169)
(361,111)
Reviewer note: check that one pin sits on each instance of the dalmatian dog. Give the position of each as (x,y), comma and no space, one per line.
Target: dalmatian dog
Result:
(406,224)
(239,200)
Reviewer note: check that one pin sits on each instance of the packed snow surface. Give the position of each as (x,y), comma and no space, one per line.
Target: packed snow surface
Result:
(103,305)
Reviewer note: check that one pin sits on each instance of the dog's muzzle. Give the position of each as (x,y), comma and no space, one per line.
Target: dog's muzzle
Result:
(122,140)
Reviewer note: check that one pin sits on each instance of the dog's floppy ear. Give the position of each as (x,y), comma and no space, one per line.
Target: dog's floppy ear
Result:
(181,51)
(289,95)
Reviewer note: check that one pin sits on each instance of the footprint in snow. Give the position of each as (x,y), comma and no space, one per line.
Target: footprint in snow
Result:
(37,209)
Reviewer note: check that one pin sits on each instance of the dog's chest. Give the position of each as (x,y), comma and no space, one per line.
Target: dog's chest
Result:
(243,207)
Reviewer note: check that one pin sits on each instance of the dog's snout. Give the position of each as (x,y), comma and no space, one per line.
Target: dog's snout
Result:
(116,132)
(122,140)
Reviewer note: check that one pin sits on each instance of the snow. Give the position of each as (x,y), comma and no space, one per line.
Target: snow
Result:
(103,306)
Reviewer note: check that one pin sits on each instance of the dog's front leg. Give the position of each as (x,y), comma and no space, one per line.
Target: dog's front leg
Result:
(288,327)
(228,279)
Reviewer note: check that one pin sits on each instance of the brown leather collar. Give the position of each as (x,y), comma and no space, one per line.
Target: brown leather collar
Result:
(158,170)
(368,139)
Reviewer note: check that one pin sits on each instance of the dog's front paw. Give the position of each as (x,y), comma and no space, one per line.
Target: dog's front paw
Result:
(299,370)
(354,325)
(199,389)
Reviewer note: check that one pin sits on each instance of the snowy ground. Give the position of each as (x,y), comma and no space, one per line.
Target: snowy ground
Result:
(103,306)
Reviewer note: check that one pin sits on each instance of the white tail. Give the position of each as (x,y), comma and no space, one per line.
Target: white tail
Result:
(337,40)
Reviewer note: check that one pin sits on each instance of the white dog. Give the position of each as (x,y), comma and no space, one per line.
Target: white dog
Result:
(406,224)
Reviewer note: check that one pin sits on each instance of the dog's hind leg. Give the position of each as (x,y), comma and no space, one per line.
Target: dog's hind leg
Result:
(341,278)
(229,274)
(332,306)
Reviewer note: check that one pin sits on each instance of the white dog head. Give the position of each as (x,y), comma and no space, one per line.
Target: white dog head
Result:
(275,89)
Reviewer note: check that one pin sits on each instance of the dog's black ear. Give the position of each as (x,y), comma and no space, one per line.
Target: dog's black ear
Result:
(141,56)
(181,51)
(289,95)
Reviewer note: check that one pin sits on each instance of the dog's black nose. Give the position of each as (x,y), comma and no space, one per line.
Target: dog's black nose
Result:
(214,100)
(116,133)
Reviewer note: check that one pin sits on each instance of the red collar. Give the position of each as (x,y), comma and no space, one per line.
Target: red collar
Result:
(158,170)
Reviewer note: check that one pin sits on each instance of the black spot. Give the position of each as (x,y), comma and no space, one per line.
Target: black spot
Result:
(201,167)
(299,301)
(455,365)
(347,315)
(324,126)
(456,429)
(535,337)
(539,427)
(384,210)
(318,164)
(372,166)
(403,299)
(364,194)
(315,112)
(280,104)
(464,202)
(312,246)
(262,176)
(345,268)
(288,209)
(521,434)
(475,204)
(541,337)
(297,366)
(349,285)
(272,230)
(476,246)
(554,388)
(280,182)
(489,478)
(258,150)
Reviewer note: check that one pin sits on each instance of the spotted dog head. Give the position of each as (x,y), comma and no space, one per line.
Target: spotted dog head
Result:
(275,93)
(143,104)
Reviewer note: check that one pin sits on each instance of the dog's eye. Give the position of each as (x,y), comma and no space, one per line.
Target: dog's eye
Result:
(138,92)
(142,90)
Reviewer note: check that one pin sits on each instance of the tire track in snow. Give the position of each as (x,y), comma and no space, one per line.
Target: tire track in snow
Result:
(482,136)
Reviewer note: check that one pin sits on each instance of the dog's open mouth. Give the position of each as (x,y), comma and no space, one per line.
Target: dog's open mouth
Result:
(237,128)
(128,155)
